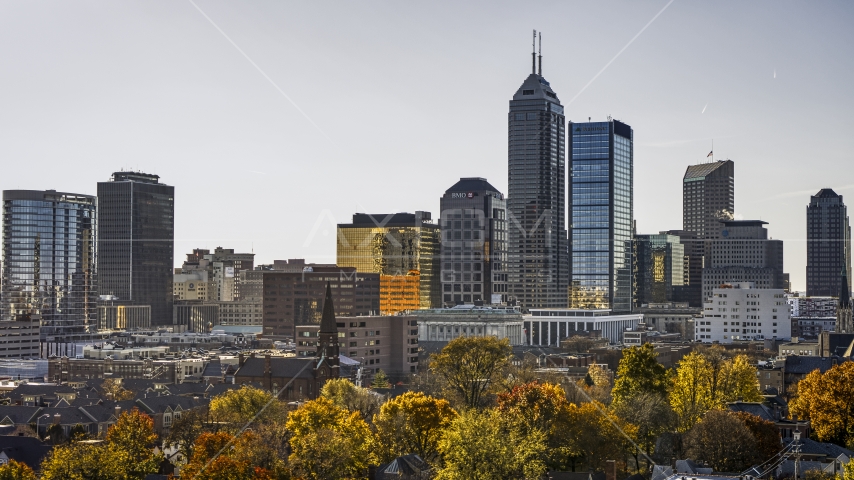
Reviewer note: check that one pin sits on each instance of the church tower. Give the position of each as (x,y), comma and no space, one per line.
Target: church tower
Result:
(844,322)
(327,341)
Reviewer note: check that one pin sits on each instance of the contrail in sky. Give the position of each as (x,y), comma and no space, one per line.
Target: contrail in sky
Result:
(704,108)
(262,71)
(618,53)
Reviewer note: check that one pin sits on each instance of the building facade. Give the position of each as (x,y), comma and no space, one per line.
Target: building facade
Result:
(19,338)
(740,311)
(474,243)
(708,197)
(195,316)
(446,324)
(49,260)
(601,216)
(403,248)
(742,252)
(388,343)
(296,298)
(659,268)
(671,318)
(123,317)
(538,255)
(547,327)
(828,243)
(136,240)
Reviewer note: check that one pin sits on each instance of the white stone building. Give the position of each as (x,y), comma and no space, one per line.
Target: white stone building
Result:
(739,311)
(547,327)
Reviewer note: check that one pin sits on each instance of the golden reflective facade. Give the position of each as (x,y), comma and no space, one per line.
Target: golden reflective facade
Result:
(403,249)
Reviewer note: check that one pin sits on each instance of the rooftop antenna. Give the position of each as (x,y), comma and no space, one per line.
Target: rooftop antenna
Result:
(534,54)
(540,73)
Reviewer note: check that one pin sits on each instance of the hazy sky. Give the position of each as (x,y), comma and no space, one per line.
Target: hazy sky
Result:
(381,106)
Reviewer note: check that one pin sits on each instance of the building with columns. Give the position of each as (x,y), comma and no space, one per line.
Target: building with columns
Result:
(547,327)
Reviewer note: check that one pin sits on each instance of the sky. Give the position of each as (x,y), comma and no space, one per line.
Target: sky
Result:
(276,120)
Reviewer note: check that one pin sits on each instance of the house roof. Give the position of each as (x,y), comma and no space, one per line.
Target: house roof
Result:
(812,447)
(162,403)
(40,390)
(18,414)
(753,408)
(281,367)
(29,450)
(803,365)
(67,416)
(404,466)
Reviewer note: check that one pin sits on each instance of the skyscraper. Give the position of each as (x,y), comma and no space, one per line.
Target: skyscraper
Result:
(136,242)
(403,248)
(474,243)
(708,197)
(538,266)
(828,243)
(660,268)
(742,252)
(601,166)
(49,257)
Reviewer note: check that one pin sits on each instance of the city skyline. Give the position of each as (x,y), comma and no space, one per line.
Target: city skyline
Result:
(185,104)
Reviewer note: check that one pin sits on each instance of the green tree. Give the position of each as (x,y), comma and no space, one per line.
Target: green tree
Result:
(471,365)
(485,446)
(825,400)
(412,423)
(328,442)
(639,372)
(16,471)
(380,380)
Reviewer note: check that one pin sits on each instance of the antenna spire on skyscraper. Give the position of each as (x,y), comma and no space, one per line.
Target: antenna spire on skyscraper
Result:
(534,54)
(540,73)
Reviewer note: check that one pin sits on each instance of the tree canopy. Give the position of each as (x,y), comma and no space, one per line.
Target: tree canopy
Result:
(826,401)
(412,423)
(471,365)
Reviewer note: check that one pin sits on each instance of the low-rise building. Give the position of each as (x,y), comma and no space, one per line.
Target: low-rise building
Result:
(388,343)
(446,324)
(670,317)
(811,327)
(739,311)
(195,315)
(797,347)
(20,338)
(549,326)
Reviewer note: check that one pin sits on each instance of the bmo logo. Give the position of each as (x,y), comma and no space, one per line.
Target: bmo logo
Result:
(462,194)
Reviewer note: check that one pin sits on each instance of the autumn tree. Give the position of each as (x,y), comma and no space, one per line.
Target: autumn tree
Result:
(412,423)
(592,435)
(825,400)
(483,445)
(113,390)
(766,434)
(651,414)
(471,365)
(535,408)
(219,456)
(83,462)
(344,394)
(186,429)
(707,380)
(328,441)
(236,408)
(131,441)
(722,441)
(639,373)
(13,470)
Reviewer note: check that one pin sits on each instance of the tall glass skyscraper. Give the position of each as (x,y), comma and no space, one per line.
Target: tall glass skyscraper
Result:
(136,242)
(828,244)
(601,166)
(49,256)
(538,266)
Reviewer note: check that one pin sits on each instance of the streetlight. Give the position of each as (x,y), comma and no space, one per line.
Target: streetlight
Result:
(37,423)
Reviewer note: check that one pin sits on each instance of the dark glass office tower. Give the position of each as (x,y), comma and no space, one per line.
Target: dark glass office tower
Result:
(474,243)
(538,266)
(601,166)
(828,243)
(660,268)
(136,242)
(49,260)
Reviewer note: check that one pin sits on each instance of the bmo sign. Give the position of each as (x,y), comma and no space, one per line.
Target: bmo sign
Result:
(463,194)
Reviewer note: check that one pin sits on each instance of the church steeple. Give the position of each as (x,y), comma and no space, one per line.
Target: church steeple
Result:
(844,316)
(327,341)
(845,292)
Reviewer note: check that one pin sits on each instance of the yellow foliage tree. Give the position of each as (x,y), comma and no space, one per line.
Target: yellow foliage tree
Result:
(329,442)
(237,407)
(471,365)
(412,423)
(826,401)
(16,471)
